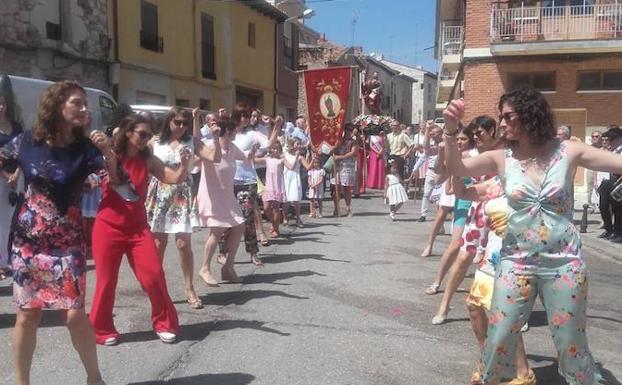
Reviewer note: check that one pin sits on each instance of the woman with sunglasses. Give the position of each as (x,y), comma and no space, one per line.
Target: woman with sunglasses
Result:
(170,209)
(121,227)
(541,252)
(458,257)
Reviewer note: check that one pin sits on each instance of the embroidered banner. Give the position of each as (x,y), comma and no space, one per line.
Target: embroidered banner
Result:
(327,101)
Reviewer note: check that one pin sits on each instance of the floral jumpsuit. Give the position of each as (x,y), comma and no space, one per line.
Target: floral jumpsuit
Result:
(541,255)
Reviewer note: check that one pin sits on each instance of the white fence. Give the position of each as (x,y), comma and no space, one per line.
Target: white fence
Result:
(581,22)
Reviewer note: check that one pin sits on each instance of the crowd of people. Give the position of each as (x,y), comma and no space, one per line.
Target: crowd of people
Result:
(68,190)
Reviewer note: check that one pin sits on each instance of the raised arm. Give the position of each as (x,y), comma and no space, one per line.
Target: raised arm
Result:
(594,158)
(209,153)
(489,162)
(167,174)
(196,123)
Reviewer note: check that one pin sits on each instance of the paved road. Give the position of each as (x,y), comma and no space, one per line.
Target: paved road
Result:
(338,302)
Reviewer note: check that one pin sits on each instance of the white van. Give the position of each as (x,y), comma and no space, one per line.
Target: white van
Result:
(28,91)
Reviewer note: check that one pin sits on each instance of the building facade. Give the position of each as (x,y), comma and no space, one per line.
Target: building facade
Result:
(569,50)
(423,91)
(287,57)
(56,40)
(204,53)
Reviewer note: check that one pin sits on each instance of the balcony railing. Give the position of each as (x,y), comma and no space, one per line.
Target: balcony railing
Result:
(580,22)
(452,38)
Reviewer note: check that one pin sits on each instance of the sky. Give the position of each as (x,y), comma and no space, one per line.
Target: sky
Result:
(401,30)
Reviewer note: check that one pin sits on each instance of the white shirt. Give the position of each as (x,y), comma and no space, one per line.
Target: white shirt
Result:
(245,172)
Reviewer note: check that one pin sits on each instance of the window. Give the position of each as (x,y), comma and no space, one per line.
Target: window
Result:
(149,38)
(600,81)
(288,45)
(182,102)
(208,51)
(542,81)
(53,31)
(107,108)
(205,104)
(251,35)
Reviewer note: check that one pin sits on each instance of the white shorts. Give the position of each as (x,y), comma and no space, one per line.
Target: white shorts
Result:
(446,200)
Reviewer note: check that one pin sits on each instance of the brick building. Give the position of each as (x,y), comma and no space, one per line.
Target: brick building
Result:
(571,50)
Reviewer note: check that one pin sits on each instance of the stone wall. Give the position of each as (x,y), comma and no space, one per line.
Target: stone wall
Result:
(82,54)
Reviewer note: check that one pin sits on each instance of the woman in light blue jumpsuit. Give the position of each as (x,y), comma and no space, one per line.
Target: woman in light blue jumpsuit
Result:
(541,252)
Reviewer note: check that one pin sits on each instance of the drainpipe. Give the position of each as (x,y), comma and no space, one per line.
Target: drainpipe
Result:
(115,27)
(276,68)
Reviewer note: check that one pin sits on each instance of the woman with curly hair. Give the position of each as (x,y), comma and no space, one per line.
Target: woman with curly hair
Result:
(541,251)
(49,249)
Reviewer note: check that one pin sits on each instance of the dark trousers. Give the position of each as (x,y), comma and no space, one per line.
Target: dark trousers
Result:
(608,206)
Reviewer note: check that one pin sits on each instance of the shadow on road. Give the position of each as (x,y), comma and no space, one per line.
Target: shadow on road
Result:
(549,374)
(284,258)
(371,214)
(200,331)
(50,319)
(205,379)
(311,225)
(242,297)
(274,277)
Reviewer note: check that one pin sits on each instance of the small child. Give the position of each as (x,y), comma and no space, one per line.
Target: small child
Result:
(291,176)
(394,193)
(316,188)
(274,190)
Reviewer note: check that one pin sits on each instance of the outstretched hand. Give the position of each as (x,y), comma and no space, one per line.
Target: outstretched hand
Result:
(453,114)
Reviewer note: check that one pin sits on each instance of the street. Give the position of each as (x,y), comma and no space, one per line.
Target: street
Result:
(338,302)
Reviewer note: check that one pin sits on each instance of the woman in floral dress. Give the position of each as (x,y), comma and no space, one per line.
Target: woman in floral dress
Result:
(541,253)
(169,206)
(49,250)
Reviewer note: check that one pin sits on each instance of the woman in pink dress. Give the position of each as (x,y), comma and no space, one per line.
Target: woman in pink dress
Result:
(376,172)
(218,206)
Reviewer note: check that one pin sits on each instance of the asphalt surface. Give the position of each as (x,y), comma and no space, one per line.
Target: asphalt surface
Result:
(338,302)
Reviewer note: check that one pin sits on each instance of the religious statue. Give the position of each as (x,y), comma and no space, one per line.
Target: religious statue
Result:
(372,93)
(328,103)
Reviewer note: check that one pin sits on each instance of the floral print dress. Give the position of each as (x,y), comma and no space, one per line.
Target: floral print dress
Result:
(170,208)
(541,255)
(49,250)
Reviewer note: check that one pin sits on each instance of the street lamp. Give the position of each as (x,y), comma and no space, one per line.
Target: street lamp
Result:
(305,15)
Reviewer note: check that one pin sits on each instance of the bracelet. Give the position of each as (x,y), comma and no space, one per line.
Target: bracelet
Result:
(447,134)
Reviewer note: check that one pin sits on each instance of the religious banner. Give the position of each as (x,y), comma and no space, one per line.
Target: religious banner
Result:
(327,101)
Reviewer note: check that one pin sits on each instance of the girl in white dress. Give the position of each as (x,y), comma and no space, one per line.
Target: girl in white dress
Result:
(316,188)
(291,178)
(394,193)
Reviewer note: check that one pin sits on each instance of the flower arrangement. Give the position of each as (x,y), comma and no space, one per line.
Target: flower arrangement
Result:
(373,124)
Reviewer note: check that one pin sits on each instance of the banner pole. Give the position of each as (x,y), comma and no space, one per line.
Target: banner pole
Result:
(337,186)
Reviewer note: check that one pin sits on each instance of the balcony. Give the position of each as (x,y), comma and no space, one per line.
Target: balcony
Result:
(558,29)
(451,43)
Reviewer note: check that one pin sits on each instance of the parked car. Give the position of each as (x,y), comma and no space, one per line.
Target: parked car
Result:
(27,93)
(440,122)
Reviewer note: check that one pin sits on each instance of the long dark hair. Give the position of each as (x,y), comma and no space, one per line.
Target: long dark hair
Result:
(166,134)
(128,124)
(533,112)
(226,126)
(241,110)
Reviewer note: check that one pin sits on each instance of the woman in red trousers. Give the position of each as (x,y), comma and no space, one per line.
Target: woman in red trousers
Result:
(121,228)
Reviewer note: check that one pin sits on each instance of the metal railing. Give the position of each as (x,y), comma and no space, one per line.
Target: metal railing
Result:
(452,39)
(579,22)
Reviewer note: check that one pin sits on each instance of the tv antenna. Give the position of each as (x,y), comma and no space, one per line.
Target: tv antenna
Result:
(353,26)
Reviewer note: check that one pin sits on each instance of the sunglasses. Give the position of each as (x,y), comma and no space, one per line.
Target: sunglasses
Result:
(180,123)
(144,134)
(507,116)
